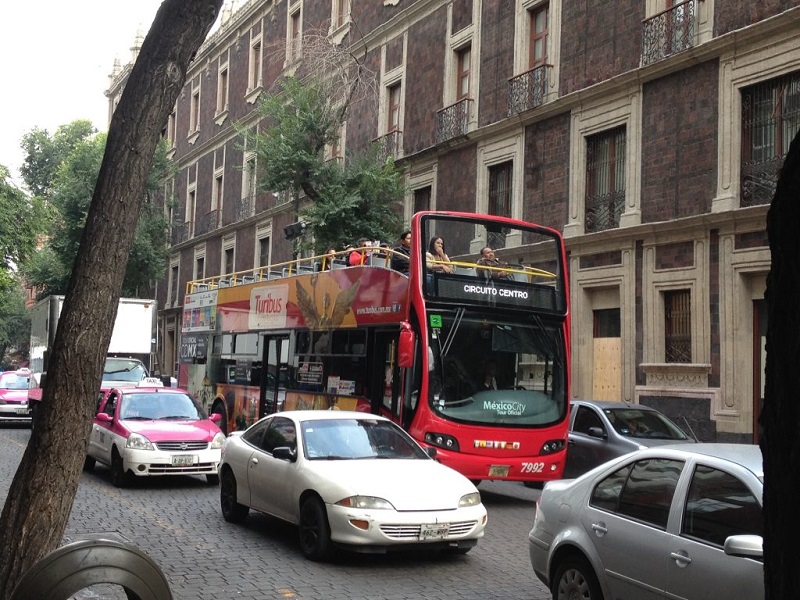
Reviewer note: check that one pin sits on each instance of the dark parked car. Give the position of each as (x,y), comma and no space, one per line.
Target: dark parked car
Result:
(601,430)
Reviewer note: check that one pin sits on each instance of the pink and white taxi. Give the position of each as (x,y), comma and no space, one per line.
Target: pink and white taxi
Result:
(150,430)
(14,396)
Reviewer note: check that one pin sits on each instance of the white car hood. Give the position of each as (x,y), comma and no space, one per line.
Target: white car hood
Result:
(435,487)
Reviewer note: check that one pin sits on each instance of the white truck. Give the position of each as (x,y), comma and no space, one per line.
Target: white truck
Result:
(129,352)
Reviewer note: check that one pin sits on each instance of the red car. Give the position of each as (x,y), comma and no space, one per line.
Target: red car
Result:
(14,396)
(151,430)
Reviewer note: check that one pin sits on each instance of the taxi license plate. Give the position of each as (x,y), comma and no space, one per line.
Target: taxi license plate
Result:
(498,470)
(21,411)
(183,461)
(437,531)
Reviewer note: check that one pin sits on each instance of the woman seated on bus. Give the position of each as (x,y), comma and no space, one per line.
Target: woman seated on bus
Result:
(328,258)
(359,255)
(436,257)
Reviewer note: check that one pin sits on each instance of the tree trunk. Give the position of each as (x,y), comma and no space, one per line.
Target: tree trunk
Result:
(780,416)
(40,499)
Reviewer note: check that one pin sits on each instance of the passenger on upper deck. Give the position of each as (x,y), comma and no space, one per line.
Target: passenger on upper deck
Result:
(436,256)
(488,259)
(328,258)
(401,256)
(359,256)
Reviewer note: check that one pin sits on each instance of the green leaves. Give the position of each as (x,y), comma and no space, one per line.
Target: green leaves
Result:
(340,204)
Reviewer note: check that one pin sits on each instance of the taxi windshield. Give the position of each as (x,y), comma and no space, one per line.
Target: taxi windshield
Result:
(159,406)
(12,381)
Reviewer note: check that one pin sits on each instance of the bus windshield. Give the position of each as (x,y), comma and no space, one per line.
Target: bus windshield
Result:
(489,371)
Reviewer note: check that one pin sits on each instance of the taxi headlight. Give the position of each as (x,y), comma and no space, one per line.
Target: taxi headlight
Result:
(218,441)
(472,499)
(366,502)
(139,442)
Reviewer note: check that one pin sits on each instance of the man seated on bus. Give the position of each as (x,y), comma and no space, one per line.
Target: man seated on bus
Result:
(488,259)
(401,255)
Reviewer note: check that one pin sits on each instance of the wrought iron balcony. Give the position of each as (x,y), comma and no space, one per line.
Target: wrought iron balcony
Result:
(389,145)
(527,90)
(669,32)
(245,207)
(453,121)
(181,232)
(603,211)
(759,179)
(208,223)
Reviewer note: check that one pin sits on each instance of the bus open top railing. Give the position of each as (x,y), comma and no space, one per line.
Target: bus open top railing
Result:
(371,257)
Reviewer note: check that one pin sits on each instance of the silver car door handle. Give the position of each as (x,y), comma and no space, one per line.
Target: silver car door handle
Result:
(254,460)
(680,557)
(599,528)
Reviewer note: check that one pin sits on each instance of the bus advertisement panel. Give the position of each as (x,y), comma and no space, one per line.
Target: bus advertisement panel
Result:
(468,350)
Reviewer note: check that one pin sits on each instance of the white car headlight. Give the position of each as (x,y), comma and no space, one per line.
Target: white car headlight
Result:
(472,499)
(366,502)
(218,441)
(139,442)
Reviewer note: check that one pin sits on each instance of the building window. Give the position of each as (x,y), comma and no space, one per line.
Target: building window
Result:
(500,181)
(605,179)
(199,267)
(537,50)
(340,9)
(295,37)
(394,94)
(222,91)
(229,267)
(173,284)
(189,214)
(677,326)
(464,56)
(216,201)
(254,78)
(770,120)
(422,199)
(263,251)
(194,110)
(169,131)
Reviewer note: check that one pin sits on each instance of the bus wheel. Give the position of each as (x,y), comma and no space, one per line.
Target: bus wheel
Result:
(219,408)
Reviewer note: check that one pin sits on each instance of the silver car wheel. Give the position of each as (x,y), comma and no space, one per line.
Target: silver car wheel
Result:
(575,580)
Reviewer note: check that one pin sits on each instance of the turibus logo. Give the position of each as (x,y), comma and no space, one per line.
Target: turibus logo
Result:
(268,306)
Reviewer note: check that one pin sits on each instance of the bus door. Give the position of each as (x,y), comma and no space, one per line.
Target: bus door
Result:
(275,365)
(385,381)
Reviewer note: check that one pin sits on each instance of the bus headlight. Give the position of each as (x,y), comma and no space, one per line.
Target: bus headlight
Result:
(551,447)
(440,440)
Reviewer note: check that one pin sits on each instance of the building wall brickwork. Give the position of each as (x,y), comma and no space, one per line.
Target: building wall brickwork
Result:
(497,60)
(546,192)
(675,256)
(679,143)
(730,15)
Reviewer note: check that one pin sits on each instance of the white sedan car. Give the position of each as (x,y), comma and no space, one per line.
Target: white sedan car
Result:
(348,479)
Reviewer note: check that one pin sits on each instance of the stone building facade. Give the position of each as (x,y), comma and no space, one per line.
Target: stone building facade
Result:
(649,133)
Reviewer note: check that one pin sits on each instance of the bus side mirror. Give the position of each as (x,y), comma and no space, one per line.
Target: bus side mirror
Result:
(405,347)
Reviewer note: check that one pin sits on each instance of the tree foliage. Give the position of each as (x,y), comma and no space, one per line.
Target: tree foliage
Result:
(22,219)
(69,196)
(341,204)
(44,153)
(14,319)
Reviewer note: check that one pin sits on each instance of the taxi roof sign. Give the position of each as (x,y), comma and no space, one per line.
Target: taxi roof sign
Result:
(150,382)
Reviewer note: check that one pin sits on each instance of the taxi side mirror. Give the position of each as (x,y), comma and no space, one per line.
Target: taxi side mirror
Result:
(103,417)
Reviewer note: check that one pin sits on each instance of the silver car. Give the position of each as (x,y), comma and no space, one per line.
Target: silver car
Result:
(681,521)
(601,430)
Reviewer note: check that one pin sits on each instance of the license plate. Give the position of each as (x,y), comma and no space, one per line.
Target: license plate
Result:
(183,461)
(498,470)
(436,531)
(21,411)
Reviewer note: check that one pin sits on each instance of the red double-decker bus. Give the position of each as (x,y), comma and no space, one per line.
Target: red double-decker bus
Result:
(468,350)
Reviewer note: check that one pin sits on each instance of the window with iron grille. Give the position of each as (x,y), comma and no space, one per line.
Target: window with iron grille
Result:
(770,120)
(678,326)
(199,268)
(500,189)
(605,179)
(173,285)
(422,199)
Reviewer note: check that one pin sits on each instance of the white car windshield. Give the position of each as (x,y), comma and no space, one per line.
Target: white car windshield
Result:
(348,439)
